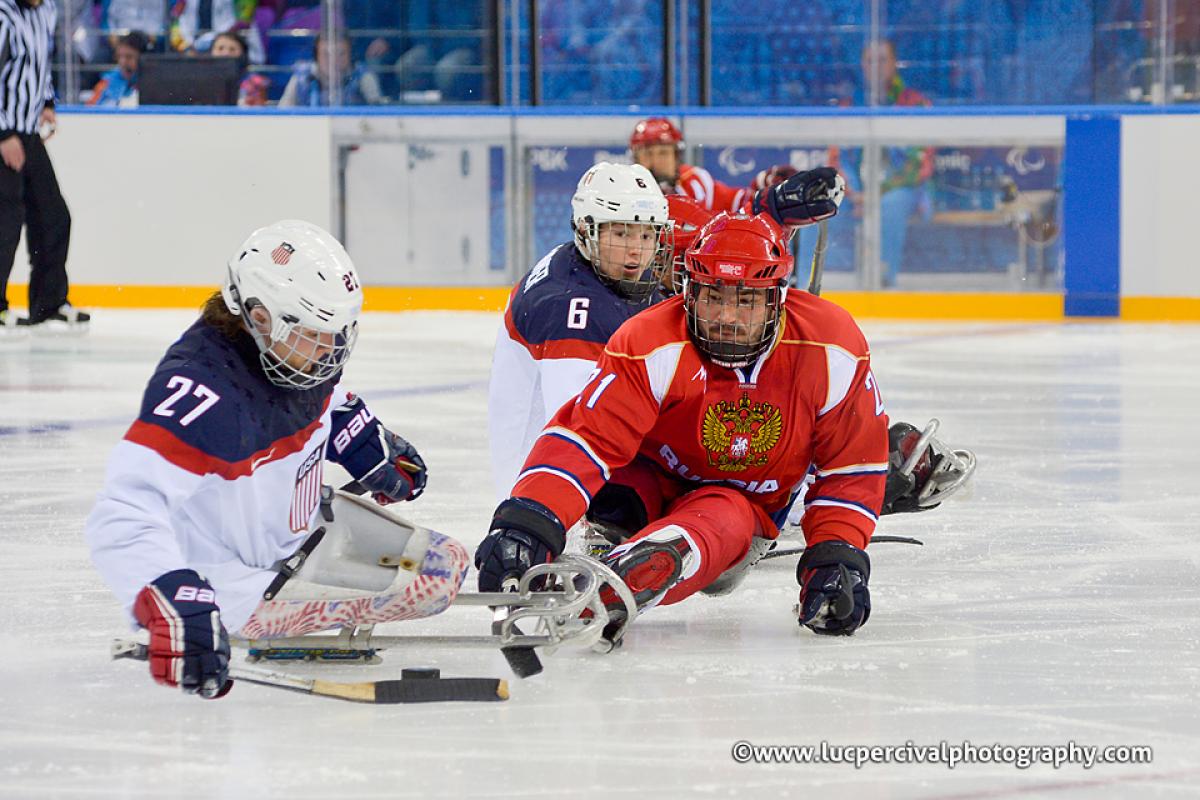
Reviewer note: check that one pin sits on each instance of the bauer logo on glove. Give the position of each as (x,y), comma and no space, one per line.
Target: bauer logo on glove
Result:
(385,464)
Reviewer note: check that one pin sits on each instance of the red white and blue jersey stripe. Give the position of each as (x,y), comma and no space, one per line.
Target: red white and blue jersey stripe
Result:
(220,473)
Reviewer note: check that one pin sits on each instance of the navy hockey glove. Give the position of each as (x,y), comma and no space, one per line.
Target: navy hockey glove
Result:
(802,199)
(383,462)
(834,598)
(523,533)
(189,647)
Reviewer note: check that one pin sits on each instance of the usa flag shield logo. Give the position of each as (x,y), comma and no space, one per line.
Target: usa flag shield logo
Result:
(307,493)
(282,254)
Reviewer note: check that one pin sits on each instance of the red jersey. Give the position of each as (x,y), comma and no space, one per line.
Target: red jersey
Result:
(808,402)
(699,184)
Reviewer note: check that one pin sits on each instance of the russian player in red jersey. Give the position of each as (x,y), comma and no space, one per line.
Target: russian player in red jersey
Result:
(657,145)
(703,417)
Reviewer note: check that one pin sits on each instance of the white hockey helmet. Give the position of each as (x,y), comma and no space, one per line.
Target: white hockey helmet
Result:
(303,277)
(619,193)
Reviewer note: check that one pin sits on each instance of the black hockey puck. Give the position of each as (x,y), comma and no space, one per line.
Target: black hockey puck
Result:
(420,673)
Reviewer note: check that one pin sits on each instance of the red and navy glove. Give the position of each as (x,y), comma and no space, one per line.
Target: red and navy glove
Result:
(189,647)
(384,463)
(772,176)
(523,533)
(802,199)
(834,599)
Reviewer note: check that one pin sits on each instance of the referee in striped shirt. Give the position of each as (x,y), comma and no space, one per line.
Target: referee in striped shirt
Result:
(29,193)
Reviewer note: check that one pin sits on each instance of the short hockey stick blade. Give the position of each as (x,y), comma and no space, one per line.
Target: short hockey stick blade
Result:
(522,659)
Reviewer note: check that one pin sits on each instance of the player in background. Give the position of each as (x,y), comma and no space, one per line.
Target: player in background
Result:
(707,412)
(657,145)
(562,311)
(210,498)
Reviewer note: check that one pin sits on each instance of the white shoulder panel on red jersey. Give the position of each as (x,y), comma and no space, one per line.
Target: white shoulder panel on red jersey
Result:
(842,367)
(660,368)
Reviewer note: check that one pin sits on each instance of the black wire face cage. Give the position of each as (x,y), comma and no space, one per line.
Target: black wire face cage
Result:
(732,334)
(638,289)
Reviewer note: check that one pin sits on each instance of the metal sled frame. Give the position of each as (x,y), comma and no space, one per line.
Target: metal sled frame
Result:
(952,472)
(558,614)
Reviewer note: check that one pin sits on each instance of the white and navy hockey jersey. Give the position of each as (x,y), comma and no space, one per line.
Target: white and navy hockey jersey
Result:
(220,473)
(558,319)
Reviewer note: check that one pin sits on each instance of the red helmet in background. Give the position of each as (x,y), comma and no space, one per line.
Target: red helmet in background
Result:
(738,270)
(687,218)
(655,130)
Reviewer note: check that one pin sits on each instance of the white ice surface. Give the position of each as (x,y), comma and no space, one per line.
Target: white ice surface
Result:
(1058,602)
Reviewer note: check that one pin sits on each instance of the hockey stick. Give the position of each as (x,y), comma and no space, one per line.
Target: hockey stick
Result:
(414,686)
(795,551)
(817,269)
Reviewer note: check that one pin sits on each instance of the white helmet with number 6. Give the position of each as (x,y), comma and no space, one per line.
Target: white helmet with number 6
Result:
(619,216)
(297,290)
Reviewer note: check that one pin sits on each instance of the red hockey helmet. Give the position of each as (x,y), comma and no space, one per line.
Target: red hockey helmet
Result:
(738,270)
(687,218)
(655,130)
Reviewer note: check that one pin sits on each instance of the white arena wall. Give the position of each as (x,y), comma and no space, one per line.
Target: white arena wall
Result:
(159,200)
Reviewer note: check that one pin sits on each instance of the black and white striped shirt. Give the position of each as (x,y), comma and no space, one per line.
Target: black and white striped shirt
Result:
(25,39)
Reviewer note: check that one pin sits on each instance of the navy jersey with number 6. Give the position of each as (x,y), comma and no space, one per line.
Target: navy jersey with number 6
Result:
(558,319)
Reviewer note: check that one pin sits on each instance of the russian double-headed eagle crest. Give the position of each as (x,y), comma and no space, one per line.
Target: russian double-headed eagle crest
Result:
(738,435)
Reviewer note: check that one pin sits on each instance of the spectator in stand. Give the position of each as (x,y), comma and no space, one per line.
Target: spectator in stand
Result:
(904,169)
(253,89)
(193,23)
(310,83)
(118,87)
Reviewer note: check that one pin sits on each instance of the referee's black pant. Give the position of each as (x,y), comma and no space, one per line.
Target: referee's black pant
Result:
(31,197)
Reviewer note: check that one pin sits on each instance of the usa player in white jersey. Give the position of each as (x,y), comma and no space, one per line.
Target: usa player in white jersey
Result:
(212,514)
(564,310)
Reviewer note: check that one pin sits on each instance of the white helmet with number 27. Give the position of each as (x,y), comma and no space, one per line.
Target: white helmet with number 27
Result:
(304,279)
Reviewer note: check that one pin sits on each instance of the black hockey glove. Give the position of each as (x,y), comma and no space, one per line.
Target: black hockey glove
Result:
(524,532)
(802,199)
(383,462)
(834,599)
(189,647)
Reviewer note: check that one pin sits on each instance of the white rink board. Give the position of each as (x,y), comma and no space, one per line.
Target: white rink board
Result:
(1058,602)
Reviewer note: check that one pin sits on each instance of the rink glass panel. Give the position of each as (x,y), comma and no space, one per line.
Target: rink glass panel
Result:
(721,53)
(985,218)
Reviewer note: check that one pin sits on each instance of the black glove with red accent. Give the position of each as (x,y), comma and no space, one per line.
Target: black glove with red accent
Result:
(403,474)
(802,199)
(524,532)
(189,647)
(834,599)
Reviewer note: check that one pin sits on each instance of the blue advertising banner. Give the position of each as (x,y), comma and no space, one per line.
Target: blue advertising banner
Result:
(553,174)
